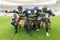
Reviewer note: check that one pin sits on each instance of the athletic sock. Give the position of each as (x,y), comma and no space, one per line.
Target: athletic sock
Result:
(30,30)
(46,29)
(16,28)
(26,27)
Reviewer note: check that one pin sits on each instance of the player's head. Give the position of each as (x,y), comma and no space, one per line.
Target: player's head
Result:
(20,9)
(44,8)
(32,10)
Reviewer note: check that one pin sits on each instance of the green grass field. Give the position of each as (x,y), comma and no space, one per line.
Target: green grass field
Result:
(7,31)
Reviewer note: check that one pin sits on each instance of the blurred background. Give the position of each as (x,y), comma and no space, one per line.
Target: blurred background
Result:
(12,4)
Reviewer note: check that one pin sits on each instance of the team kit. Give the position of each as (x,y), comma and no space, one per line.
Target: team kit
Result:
(33,18)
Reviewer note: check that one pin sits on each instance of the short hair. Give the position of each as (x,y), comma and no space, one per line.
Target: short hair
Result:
(20,7)
(44,7)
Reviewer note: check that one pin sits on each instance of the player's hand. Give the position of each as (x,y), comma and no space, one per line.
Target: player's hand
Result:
(7,11)
(53,14)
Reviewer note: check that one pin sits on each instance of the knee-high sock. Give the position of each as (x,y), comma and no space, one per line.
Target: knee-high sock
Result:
(30,29)
(26,27)
(46,28)
(16,28)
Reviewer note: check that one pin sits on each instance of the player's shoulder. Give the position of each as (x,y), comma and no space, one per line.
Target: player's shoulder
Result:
(29,11)
(49,9)
(25,10)
(35,11)
(15,10)
(39,9)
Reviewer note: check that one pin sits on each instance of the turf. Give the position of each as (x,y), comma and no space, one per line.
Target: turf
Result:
(7,31)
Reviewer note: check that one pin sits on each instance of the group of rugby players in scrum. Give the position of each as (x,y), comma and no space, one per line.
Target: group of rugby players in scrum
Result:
(33,18)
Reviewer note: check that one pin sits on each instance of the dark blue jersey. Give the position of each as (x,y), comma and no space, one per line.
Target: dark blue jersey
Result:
(49,11)
(32,16)
(43,13)
(23,14)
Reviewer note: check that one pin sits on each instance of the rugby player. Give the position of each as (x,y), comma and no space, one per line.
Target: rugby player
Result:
(43,14)
(31,18)
(21,14)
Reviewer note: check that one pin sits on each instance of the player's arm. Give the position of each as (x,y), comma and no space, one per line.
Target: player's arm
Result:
(51,13)
(11,11)
(8,11)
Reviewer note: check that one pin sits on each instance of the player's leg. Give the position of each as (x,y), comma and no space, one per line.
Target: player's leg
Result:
(16,24)
(25,21)
(49,23)
(19,24)
(26,24)
(42,22)
(38,22)
(30,27)
(13,24)
(38,25)
(34,24)
(46,23)
(13,21)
